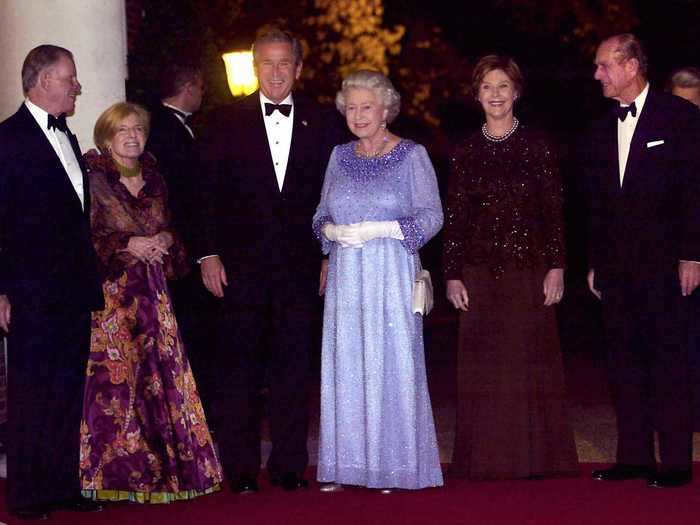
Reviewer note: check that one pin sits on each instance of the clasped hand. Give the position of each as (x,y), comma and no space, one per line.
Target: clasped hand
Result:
(356,234)
(149,250)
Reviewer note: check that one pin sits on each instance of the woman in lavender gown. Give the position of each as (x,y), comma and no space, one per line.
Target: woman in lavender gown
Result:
(144,437)
(379,205)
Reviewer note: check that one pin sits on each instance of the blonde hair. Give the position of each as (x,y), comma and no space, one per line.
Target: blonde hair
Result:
(108,122)
(376,82)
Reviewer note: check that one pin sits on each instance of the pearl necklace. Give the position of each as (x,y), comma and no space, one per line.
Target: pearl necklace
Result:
(503,137)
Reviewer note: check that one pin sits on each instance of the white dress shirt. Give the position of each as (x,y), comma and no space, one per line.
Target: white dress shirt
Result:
(279,136)
(180,117)
(61,144)
(625,131)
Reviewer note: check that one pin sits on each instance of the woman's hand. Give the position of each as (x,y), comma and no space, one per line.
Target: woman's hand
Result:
(146,249)
(553,286)
(164,239)
(457,294)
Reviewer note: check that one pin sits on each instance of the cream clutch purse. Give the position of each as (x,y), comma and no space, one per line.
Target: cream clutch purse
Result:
(422,298)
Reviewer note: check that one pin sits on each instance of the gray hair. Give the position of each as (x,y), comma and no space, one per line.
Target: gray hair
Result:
(268,35)
(375,81)
(686,77)
(38,59)
(628,47)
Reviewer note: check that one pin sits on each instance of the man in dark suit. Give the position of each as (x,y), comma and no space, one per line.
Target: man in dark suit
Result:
(172,141)
(645,244)
(48,286)
(267,155)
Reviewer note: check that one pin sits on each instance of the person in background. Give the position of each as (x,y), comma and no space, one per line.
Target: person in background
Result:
(173,143)
(144,436)
(504,269)
(685,83)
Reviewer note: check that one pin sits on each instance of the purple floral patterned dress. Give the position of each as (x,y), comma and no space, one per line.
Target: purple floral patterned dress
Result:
(144,436)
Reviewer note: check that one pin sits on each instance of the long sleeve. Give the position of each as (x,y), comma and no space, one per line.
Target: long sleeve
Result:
(116,216)
(426,216)
(689,159)
(454,236)
(551,198)
(323,215)
(110,244)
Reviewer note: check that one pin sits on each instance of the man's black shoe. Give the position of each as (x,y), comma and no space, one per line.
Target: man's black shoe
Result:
(621,472)
(290,481)
(671,479)
(33,512)
(79,504)
(244,484)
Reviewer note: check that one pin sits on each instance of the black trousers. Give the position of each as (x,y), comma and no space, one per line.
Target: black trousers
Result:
(47,357)
(197,313)
(646,332)
(268,331)
(694,356)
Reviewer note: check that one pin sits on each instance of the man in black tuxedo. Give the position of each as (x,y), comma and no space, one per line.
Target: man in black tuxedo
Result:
(48,286)
(267,156)
(172,141)
(645,248)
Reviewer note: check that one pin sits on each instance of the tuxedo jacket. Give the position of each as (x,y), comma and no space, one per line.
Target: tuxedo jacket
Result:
(255,228)
(46,253)
(173,147)
(641,230)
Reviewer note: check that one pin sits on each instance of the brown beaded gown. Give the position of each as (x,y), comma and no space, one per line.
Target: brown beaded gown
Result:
(504,231)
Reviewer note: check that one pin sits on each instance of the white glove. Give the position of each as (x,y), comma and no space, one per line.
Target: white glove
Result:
(355,235)
(368,230)
(343,234)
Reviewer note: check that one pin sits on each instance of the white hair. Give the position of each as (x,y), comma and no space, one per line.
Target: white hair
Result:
(387,95)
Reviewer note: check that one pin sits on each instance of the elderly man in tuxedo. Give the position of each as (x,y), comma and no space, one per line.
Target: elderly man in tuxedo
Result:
(645,248)
(267,155)
(48,286)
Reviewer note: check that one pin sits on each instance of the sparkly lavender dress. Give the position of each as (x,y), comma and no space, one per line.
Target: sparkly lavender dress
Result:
(377,426)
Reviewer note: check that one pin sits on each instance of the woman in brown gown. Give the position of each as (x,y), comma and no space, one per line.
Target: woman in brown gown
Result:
(504,268)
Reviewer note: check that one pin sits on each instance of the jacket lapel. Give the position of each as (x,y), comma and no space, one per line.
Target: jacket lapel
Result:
(612,160)
(44,150)
(639,139)
(83,170)
(259,145)
(300,128)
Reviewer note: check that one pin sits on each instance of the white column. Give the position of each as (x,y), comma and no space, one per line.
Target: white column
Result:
(94,30)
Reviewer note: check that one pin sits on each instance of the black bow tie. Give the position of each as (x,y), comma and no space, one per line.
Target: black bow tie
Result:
(57,123)
(285,109)
(623,110)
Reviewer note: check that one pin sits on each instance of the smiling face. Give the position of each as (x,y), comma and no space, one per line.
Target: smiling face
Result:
(364,113)
(61,86)
(497,94)
(129,140)
(276,69)
(617,77)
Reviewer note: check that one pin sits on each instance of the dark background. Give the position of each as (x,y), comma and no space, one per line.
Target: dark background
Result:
(553,41)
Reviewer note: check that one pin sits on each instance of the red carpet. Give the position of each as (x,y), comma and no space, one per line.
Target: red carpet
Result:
(580,501)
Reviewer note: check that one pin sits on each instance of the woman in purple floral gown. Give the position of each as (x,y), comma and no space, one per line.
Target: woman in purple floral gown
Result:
(144,436)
